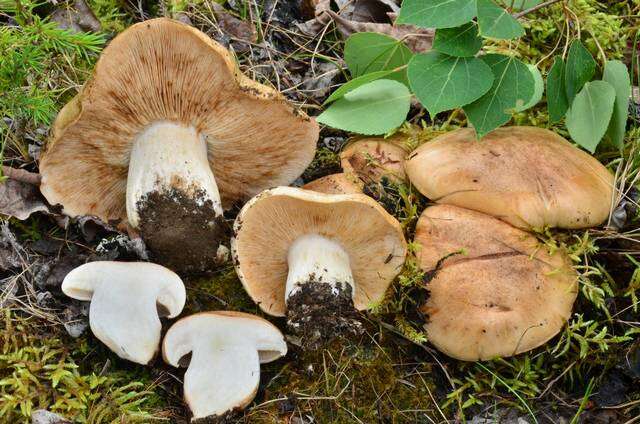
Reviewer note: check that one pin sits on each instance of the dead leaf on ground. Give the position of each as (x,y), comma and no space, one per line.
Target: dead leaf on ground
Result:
(368,16)
(78,18)
(20,200)
(235,28)
(10,249)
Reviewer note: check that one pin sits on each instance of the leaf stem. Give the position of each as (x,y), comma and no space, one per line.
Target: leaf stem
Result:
(534,8)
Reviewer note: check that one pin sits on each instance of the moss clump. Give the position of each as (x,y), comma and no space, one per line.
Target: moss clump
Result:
(43,369)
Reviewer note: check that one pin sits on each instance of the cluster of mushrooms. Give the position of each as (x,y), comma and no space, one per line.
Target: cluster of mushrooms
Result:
(168,135)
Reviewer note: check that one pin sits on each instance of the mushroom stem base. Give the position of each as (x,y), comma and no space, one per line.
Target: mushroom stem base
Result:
(319,313)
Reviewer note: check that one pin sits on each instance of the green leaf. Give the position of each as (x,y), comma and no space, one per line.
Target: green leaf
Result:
(443,82)
(462,41)
(513,86)
(437,13)
(616,74)
(580,69)
(590,113)
(538,88)
(355,83)
(374,108)
(496,22)
(367,52)
(519,4)
(556,93)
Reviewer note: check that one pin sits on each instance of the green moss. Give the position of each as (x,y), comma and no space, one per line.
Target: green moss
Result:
(41,368)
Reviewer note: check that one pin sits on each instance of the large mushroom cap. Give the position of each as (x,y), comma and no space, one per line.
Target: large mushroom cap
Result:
(268,225)
(529,177)
(227,349)
(125,300)
(372,158)
(495,290)
(164,71)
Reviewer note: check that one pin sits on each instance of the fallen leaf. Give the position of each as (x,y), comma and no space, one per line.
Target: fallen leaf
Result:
(20,200)
(235,28)
(10,249)
(42,416)
(78,18)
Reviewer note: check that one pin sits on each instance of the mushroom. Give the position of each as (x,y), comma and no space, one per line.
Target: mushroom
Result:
(370,159)
(335,184)
(126,301)
(494,290)
(226,350)
(165,135)
(316,258)
(529,177)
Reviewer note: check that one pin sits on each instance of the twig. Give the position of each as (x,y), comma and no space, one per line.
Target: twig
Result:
(21,175)
(534,8)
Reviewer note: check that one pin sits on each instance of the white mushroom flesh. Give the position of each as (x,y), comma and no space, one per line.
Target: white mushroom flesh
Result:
(168,155)
(124,303)
(224,371)
(316,259)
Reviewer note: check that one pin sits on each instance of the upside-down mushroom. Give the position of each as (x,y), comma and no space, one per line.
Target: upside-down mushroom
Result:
(226,350)
(127,299)
(494,290)
(316,258)
(166,135)
(529,177)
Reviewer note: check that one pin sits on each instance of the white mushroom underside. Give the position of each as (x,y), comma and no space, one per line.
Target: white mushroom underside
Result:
(167,155)
(316,259)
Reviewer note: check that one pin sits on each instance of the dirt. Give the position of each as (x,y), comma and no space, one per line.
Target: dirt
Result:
(182,232)
(226,418)
(318,313)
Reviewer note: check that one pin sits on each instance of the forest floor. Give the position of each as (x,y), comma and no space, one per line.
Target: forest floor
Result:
(49,360)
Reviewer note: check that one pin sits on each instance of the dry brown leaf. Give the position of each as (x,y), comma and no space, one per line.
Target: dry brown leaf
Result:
(235,28)
(20,200)
(79,18)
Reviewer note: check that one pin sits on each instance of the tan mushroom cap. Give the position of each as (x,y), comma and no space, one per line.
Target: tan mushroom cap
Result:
(270,222)
(163,70)
(529,177)
(372,158)
(505,294)
(335,184)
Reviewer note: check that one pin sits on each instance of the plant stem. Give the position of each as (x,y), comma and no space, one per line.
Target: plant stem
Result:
(534,8)
(21,175)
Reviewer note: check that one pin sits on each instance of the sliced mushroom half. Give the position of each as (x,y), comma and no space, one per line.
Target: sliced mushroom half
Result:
(127,299)
(226,350)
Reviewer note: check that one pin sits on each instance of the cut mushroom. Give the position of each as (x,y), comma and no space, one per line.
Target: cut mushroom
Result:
(168,133)
(316,257)
(371,159)
(495,290)
(529,177)
(335,184)
(126,301)
(226,350)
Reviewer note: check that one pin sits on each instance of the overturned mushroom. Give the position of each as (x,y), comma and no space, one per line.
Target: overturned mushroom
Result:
(226,350)
(494,289)
(371,159)
(316,257)
(335,184)
(166,134)
(529,177)
(126,301)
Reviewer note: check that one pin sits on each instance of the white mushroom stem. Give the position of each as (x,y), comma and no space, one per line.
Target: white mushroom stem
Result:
(317,259)
(167,155)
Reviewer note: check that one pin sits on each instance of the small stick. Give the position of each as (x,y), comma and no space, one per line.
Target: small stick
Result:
(534,8)
(21,175)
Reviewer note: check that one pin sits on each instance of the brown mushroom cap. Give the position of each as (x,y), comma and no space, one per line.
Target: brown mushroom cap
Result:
(163,70)
(270,222)
(335,184)
(529,177)
(505,294)
(372,158)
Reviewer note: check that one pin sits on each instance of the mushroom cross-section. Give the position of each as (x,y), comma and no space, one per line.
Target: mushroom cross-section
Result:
(126,299)
(529,177)
(166,135)
(226,349)
(495,290)
(316,257)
